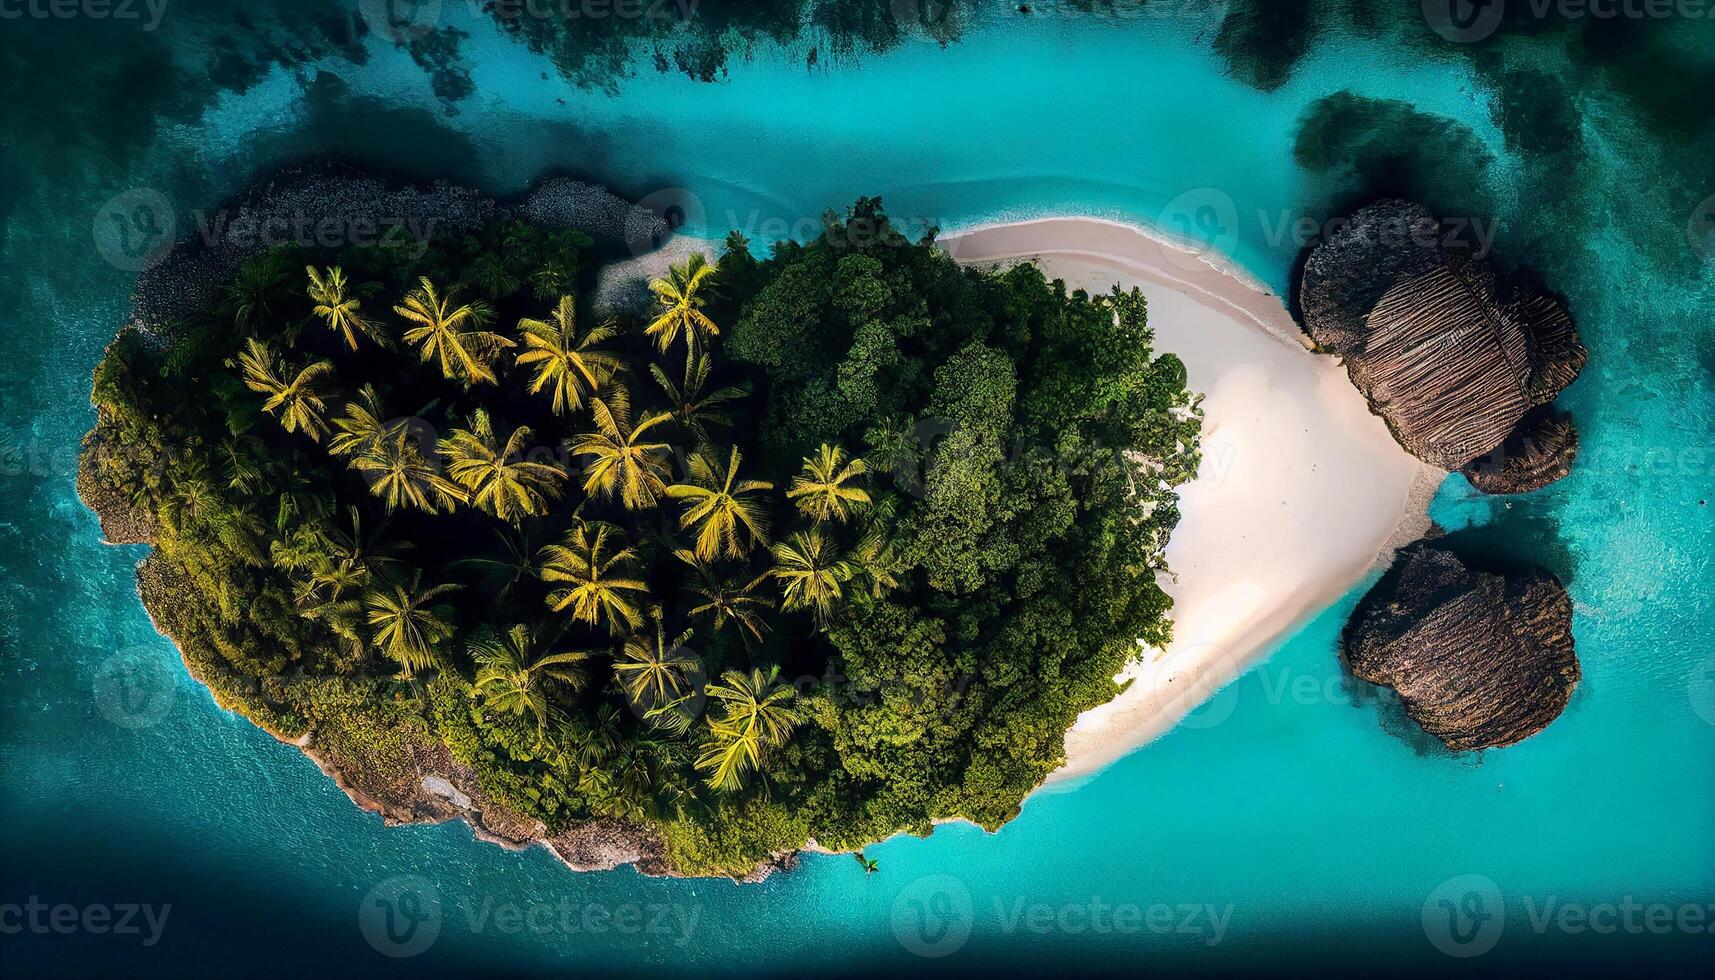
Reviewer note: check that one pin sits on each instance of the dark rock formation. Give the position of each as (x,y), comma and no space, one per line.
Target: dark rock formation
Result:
(1450,353)
(1539,451)
(1478,660)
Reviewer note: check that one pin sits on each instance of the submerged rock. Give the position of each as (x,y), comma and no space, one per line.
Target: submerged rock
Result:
(1478,660)
(1539,451)
(1450,353)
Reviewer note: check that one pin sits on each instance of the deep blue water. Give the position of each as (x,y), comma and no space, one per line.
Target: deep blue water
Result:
(1302,826)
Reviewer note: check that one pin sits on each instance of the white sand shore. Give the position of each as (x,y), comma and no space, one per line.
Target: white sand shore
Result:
(1301,491)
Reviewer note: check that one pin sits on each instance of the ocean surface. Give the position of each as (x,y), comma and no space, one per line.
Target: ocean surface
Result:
(1288,824)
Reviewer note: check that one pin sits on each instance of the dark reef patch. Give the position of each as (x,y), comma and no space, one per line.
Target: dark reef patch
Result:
(1262,44)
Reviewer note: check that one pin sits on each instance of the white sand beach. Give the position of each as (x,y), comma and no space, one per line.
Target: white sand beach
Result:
(1300,493)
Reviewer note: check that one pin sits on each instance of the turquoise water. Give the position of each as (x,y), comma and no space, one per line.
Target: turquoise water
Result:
(1306,825)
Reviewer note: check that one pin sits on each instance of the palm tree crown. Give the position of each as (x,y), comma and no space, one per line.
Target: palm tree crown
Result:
(512,677)
(337,307)
(657,672)
(453,335)
(755,717)
(813,572)
(732,601)
(824,489)
(599,569)
(620,458)
(301,403)
(722,504)
(497,477)
(680,300)
(567,363)
(409,626)
(693,408)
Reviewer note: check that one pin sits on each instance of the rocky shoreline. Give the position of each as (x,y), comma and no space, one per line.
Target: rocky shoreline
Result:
(436,789)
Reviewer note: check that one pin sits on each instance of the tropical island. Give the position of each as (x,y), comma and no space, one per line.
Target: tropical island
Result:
(815,549)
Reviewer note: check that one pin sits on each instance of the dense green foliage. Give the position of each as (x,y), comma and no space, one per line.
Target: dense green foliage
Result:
(827,545)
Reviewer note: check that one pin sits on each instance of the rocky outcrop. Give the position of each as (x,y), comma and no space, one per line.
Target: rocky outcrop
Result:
(1449,352)
(1539,451)
(1479,660)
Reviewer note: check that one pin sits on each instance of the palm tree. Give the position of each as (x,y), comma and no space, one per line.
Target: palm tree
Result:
(754,719)
(337,307)
(694,410)
(732,601)
(453,335)
(875,557)
(823,489)
(812,572)
(681,305)
(238,456)
(621,459)
(512,677)
(722,504)
(656,673)
(594,561)
(363,425)
(566,362)
(408,625)
(261,282)
(596,740)
(300,403)
(869,865)
(501,571)
(497,477)
(402,474)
